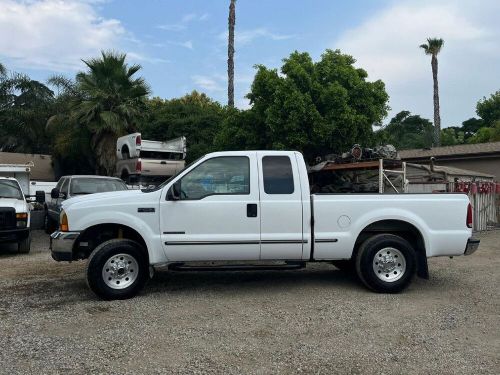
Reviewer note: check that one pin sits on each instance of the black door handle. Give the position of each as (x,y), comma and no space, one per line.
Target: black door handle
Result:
(252,210)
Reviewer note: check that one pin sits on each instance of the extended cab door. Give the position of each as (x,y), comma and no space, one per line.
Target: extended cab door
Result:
(280,206)
(216,214)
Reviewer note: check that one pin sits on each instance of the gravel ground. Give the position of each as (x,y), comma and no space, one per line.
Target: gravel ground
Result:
(317,320)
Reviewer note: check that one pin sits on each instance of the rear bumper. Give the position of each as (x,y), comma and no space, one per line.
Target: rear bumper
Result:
(472,245)
(61,245)
(14,235)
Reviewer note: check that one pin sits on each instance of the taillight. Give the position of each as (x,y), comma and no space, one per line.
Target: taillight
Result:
(469,216)
(138,165)
(138,140)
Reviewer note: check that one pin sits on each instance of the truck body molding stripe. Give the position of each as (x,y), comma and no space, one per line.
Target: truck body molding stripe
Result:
(212,243)
(326,240)
(248,242)
(175,232)
(146,209)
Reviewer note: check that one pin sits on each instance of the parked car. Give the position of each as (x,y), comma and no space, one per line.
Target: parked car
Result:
(144,162)
(15,214)
(250,209)
(73,186)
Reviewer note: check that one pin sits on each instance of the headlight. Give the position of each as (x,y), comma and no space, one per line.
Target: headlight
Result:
(63,222)
(22,219)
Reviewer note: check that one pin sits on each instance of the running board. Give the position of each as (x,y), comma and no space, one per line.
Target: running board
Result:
(237,267)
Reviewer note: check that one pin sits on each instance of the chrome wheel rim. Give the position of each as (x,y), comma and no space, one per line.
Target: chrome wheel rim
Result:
(120,271)
(389,264)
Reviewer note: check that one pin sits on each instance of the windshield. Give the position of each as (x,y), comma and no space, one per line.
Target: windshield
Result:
(10,189)
(89,185)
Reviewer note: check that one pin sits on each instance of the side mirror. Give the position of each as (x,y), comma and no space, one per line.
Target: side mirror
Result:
(54,193)
(173,193)
(40,196)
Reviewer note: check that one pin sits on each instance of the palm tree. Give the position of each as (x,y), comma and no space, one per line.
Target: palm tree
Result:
(112,104)
(433,47)
(230,54)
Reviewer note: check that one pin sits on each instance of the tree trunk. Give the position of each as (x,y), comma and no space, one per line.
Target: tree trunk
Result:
(230,55)
(103,148)
(437,118)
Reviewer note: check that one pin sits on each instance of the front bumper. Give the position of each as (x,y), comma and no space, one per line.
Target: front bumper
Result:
(472,245)
(14,235)
(61,245)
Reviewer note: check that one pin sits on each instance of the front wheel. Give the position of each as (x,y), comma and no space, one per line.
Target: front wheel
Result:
(49,225)
(117,269)
(386,263)
(24,246)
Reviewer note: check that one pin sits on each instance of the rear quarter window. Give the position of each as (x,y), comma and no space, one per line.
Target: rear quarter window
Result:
(278,175)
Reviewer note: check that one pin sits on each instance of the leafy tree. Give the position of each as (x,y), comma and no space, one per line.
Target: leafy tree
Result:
(112,104)
(71,153)
(452,135)
(433,47)
(25,106)
(487,134)
(406,131)
(315,107)
(471,126)
(195,116)
(489,109)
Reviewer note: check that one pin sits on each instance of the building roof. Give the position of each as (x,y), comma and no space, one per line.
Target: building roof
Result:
(469,149)
(42,164)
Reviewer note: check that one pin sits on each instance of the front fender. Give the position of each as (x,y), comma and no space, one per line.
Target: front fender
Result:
(145,229)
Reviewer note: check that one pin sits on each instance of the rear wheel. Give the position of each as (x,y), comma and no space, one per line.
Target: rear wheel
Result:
(117,269)
(24,246)
(386,263)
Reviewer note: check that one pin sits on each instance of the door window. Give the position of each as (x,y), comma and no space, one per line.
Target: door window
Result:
(64,187)
(217,176)
(278,175)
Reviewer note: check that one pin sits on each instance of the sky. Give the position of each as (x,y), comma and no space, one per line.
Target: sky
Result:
(182,45)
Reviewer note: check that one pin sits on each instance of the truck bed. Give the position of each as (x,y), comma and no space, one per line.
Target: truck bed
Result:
(339,218)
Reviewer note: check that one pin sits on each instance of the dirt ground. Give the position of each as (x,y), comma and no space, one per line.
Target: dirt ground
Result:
(318,320)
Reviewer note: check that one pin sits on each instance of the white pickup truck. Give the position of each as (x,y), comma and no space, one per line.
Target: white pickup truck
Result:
(144,162)
(253,210)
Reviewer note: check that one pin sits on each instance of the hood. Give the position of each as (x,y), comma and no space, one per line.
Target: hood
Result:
(19,205)
(111,196)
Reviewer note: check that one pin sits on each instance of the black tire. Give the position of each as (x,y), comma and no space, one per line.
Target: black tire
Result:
(366,262)
(24,246)
(49,225)
(345,265)
(106,251)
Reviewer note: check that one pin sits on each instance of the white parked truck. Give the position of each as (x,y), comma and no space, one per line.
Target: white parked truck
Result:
(15,214)
(254,210)
(144,162)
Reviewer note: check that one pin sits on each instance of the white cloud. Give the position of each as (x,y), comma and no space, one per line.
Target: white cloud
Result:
(140,58)
(208,83)
(172,27)
(387,46)
(183,23)
(247,36)
(54,35)
(188,17)
(187,44)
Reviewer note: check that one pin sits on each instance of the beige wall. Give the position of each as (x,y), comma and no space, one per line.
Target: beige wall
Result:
(485,165)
